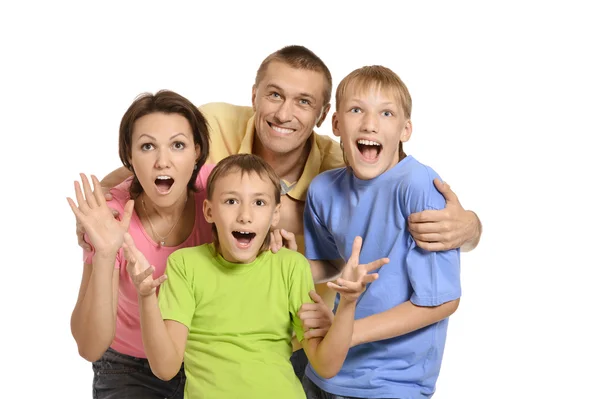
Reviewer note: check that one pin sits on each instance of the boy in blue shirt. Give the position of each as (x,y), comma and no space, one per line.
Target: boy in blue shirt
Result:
(402,317)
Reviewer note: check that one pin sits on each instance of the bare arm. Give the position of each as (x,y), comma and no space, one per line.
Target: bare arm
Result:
(94,316)
(164,340)
(327,354)
(399,320)
(115,177)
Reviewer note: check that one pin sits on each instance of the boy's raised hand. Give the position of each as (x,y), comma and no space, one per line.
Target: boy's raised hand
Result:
(139,269)
(355,276)
(93,214)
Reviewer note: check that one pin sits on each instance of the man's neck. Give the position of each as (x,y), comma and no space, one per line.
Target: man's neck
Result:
(288,166)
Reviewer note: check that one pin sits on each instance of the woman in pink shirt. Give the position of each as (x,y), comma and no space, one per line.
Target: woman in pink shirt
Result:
(163,140)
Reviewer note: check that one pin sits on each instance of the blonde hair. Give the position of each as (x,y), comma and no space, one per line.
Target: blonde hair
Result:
(243,164)
(375,77)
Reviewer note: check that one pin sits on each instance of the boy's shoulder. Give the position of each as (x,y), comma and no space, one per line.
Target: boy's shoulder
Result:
(197,251)
(327,178)
(289,258)
(415,173)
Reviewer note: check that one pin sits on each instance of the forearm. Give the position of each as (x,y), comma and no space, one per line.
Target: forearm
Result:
(115,177)
(327,355)
(324,270)
(472,243)
(164,359)
(399,320)
(93,319)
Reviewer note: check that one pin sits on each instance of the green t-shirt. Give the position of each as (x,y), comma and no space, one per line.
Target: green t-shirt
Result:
(240,319)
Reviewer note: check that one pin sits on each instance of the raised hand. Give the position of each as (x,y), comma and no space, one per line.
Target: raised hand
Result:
(139,269)
(355,276)
(96,218)
(316,317)
(282,238)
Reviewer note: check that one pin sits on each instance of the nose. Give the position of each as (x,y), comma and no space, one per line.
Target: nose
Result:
(162,159)
(370,122)
(245,213)
(284,112)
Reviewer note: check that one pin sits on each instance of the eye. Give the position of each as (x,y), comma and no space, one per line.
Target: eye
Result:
(178,145)
(230,201)
(355,110)
(274,95)
(147,147)
(388,113)
(260,202)
(304,101)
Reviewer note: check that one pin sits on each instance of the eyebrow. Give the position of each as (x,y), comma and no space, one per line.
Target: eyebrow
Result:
(359,101)
(153,138)
(274,86)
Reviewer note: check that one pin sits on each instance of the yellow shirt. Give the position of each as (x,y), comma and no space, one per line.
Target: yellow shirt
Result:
(232,132)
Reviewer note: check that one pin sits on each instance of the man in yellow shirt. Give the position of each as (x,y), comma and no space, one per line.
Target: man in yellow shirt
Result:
(290,97)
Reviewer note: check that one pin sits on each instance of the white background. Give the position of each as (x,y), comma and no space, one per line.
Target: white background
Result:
(506,106)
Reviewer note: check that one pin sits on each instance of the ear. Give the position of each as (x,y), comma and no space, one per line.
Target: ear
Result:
(254,98)
(323,115)
(406,132)
(207,209)
(335,124)
(276,216)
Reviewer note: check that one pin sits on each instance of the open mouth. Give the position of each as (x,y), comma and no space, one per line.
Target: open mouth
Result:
(164,184)
(243,238)
(369,149)
(279,129)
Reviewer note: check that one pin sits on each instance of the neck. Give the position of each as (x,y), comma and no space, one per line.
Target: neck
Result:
(288,166)
(151,210)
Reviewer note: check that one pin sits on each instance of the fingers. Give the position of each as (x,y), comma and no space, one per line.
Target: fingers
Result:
(127,212)
(273,245)
(368,278)
(315,333)
(431,226)
(434,246)
(98,194)
(315,297)
(290,239)
(345,287)
(445,190)
(87,190)
(356,247)
(81,203)
(278,238)
(376,264)
(138,278)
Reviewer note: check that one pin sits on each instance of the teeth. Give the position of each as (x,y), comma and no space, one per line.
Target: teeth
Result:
(244,232)
(282,130)
(163,177)
(368,142)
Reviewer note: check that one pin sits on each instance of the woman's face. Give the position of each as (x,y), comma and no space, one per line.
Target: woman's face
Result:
(163,155)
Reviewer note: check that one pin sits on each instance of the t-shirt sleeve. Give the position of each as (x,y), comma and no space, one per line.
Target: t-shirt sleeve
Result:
(434,276)
(176,296)
(319,244)
(301,283)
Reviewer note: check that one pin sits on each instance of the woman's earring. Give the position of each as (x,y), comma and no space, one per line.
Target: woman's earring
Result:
(195,166)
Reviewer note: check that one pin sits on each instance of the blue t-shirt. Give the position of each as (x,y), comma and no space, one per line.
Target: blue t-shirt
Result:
(339,207)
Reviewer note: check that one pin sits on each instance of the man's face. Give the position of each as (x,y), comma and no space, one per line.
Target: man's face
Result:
(371,125)
(288,103)
(243,209)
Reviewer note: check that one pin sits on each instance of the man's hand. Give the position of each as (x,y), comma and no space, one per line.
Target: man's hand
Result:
(139,269)
(355,276)
(282,238)
(94,216)
(316,317)
(80,230)
(445,229)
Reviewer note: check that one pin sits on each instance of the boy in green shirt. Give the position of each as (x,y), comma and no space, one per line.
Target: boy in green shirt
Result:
(228,309)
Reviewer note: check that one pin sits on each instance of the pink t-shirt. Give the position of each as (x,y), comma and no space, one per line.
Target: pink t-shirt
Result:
(128,335)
